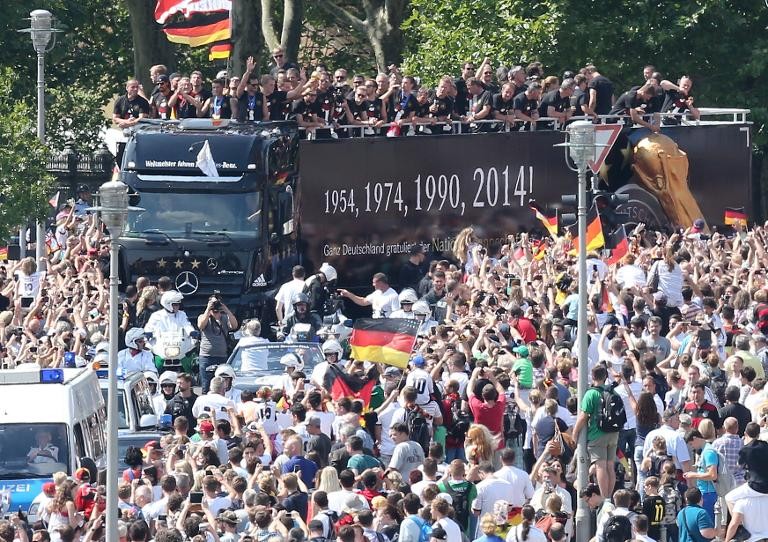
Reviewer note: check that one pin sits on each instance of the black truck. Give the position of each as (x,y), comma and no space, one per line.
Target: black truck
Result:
(361,203)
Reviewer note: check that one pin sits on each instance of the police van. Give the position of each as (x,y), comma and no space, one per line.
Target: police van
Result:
(51,420)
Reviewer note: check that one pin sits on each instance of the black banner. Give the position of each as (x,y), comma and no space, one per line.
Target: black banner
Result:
(364,202)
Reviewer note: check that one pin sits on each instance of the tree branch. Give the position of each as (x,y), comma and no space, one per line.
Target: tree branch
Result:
(267,26)
(293,11)
(343,15)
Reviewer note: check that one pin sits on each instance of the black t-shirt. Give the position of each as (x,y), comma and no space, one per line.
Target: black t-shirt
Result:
(203,95)
(754,458)
(422,109)
(356,109)
(524,104)
(505,107)
(410,275)
(625,102)
(373,109)
(477,103)
(185,109)
(131,109)
(220,108)
(738,411)
(300,107)
(604,89)
(493,88)
(674,102)
(520,89)
(554,99)
(250,107)
(653,508)
(579,99)
(160,107)
(444,107)
(276,104)
(462,96)
(324,104)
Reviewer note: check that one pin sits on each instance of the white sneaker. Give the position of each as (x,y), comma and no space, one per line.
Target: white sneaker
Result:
(411,131)
(334,135)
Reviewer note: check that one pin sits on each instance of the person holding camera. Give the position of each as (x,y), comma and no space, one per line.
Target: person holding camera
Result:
(215,323)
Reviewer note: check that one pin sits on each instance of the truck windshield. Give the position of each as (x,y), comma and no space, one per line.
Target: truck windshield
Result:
(235,214)
(33,450)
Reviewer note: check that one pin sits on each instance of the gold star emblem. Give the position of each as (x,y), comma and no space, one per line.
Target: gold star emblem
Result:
(196,263)
(178,263)
(161,262)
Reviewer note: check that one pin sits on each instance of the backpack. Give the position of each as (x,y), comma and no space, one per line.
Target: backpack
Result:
(460,503)
(612,415)
(618,528)
(725,481)
(418,429)
(761,317)
(515,426)
(718,383)
(333,518)
(425,529)
(460,421)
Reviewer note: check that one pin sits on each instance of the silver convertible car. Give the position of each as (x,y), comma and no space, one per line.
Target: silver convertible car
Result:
(258,365)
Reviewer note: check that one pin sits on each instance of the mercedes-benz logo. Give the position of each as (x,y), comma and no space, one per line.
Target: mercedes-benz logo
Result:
(212,264)
(187,283)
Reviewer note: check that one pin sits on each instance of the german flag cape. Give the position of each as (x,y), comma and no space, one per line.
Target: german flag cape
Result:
(341,384)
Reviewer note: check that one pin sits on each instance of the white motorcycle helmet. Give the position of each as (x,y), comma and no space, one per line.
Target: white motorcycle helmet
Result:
(292,360)
(225,370)
(169,298)
(329,271)
(332,346)
(132,335)
(422,311)
(151,378)
(168,377)
(408,296)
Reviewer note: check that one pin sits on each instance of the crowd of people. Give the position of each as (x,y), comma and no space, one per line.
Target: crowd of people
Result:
(475,439)
(482,99)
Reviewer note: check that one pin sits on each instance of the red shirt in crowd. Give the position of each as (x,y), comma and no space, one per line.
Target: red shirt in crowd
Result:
(526,330)
(490,416)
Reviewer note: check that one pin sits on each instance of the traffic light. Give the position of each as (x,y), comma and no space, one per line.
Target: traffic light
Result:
(568,220)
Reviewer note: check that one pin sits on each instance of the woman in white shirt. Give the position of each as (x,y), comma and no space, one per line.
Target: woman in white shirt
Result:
(440,509)
(669,277)
(525,531)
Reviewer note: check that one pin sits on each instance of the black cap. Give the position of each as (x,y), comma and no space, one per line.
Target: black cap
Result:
(163,79)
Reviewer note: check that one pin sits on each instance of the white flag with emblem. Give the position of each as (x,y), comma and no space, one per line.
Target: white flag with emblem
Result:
(205,161)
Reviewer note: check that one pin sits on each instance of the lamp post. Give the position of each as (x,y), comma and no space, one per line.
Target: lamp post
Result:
(581,147)
(113,206)
(41,30)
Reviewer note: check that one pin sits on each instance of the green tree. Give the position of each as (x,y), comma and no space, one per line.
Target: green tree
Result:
(25,184)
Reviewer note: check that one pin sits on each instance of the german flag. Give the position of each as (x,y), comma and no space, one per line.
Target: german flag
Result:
(547,217)
(595,238)
(619,245)
(735,215)
(3,253)
(384,340)
(341,384)
(200,29)
(220,51)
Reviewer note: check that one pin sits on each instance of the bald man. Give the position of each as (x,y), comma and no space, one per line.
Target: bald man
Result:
(730,445)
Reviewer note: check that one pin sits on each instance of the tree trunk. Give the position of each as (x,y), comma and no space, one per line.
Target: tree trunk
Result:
(246,33)
(150,46)
(268,25)
(293,14)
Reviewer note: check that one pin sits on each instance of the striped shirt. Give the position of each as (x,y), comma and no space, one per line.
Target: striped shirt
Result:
(730,445)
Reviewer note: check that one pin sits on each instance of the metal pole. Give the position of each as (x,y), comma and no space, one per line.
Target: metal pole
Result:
(583,523)
(40,243)
(112,449)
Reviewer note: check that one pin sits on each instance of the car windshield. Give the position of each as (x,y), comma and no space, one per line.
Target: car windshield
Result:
(266,357)
(33,450)
(185,213)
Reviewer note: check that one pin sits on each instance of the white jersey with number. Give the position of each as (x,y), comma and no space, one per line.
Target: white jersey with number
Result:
(421,381)
(266,413)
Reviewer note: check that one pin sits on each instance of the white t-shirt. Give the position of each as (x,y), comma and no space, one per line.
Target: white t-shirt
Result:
(266,413)
(286,293)
(383,303)
(29,285)
(631,276)
(491,490)
(637,388)
(461,377)
(387,445)
(216,405)
(431,409)
(535,534)
(451,528)
(253,359)
(407,457)
(521,483)
(421,381)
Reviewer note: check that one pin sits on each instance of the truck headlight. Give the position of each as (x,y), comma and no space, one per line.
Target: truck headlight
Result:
(172,352)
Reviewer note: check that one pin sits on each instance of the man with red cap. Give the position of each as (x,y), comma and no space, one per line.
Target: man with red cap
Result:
(85,496)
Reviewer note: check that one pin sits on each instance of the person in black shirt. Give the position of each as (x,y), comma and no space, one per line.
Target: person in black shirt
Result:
(480,104)
(186,105)
(678,100)
(487,78)
(276,99)
(131,107)
(580,98)
(413,270)
(324,102)
(405,100)
(303,111)
(503,107)
(376,109)
(734,409)
(526,104)
(422,117)
(462,93)
(356,109)
(202,94)
(278,57)
(218,105)
(442,105)
(634,103)
(385,97)
(517,76)
(160,107)
(600,92)
(251,105)
(557,103)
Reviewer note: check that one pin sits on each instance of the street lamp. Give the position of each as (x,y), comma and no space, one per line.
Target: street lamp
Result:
(581,147)
(113,207)
(41,30)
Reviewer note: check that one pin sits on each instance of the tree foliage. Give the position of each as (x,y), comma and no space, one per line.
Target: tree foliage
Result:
(25,185)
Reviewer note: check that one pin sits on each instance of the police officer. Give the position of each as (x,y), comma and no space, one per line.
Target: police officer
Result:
(301,315)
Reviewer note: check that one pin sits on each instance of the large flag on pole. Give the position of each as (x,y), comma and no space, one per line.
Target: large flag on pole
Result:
(595,238)
(200,29)
(620,246)
(384,340)
(547,217)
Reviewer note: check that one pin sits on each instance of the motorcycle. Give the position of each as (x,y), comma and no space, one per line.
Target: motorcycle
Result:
(174,350)
(300,333)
